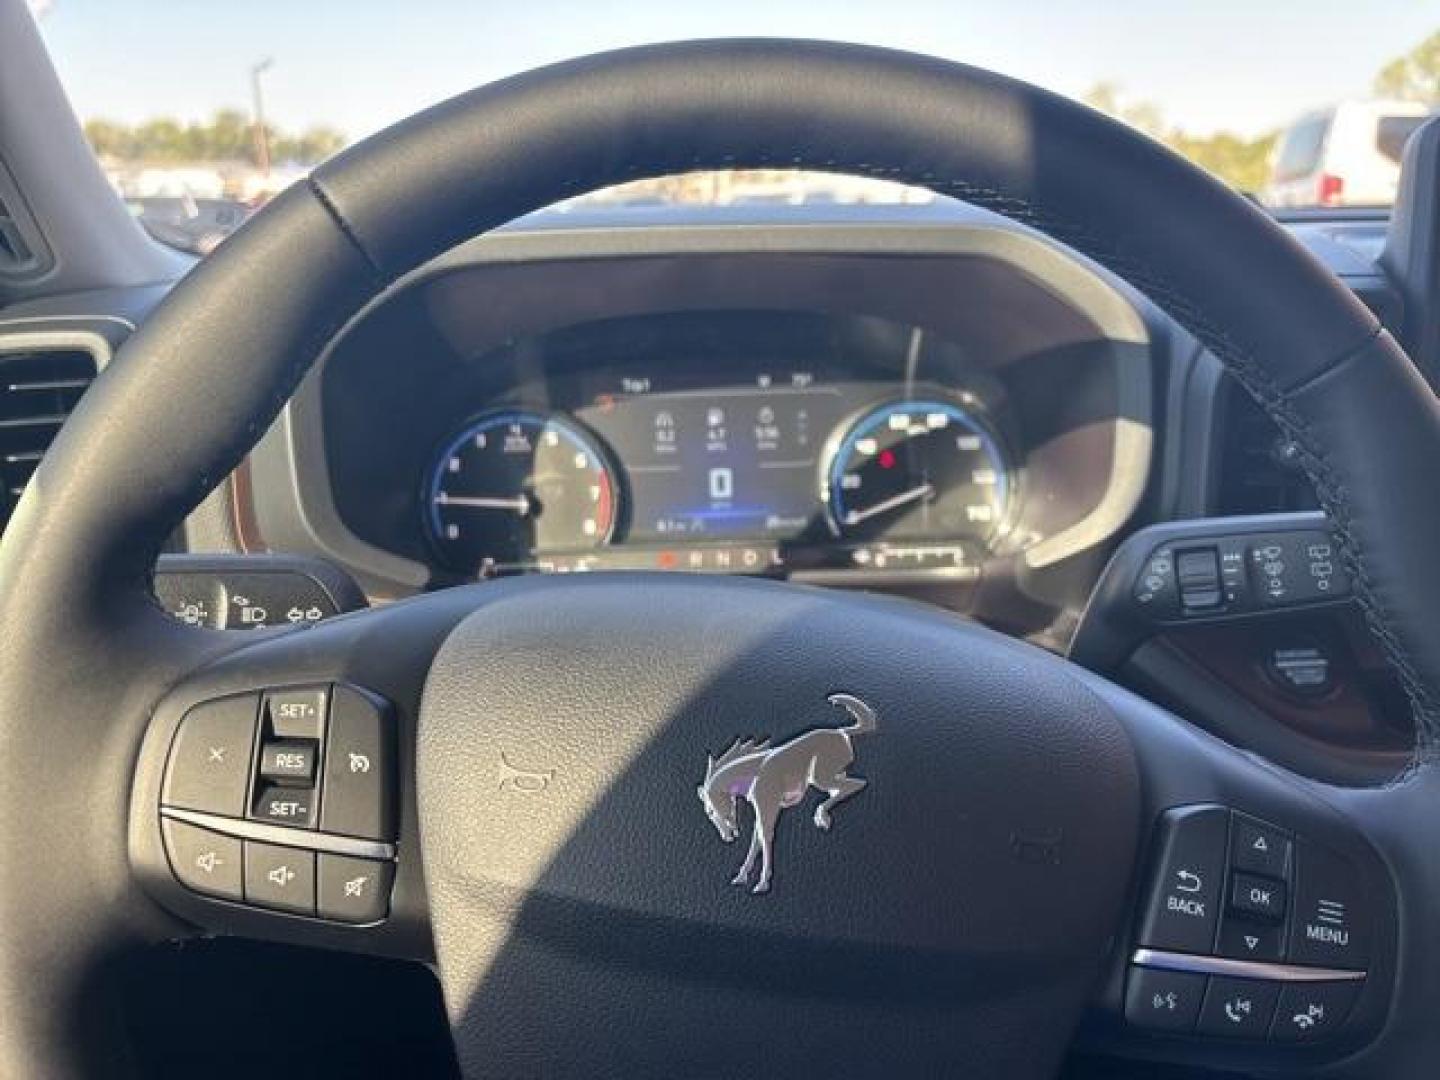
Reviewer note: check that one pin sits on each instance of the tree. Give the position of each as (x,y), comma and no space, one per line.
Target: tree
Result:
(1110,99)
(312,145)
(1414,76)
(1241,162)
(227,136)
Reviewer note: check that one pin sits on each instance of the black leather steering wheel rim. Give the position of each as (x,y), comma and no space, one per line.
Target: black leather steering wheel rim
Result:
(85,653)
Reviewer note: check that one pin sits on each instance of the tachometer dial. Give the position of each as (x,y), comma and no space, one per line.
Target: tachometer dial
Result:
(514,485)
(917,470)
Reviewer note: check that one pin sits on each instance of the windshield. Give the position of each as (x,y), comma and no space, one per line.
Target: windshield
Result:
(202,111)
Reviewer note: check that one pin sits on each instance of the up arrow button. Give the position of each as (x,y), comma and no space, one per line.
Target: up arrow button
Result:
(1259,848)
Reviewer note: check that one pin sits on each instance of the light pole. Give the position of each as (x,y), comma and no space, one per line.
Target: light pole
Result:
(262,134)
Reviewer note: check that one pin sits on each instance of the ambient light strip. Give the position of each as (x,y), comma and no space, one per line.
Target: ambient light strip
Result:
(1245,969)
(279,834)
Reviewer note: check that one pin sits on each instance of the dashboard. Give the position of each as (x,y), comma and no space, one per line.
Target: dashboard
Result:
(929,402)
(569,400)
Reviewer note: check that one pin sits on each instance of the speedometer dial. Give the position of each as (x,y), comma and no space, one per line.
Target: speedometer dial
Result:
(917,470)
(514,485)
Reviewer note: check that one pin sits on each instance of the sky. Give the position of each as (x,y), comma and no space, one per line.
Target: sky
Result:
(1242,65)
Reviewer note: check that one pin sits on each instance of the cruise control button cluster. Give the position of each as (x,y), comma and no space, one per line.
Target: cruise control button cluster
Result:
(319,763)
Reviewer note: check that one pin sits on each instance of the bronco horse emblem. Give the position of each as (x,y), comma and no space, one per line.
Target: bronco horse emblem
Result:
(776,778)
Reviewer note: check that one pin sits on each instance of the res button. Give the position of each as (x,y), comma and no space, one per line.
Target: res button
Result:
(289,761)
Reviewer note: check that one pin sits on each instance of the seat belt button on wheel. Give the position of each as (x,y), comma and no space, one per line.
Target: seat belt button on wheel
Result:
(210,757)
(1185,886)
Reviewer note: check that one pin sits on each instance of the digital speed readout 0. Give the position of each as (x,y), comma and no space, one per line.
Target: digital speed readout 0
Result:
(727,464)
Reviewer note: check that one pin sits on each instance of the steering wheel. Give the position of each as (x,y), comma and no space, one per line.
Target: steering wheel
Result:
(1011,840)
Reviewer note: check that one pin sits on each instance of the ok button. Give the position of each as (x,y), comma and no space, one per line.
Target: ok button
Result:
(1260,897)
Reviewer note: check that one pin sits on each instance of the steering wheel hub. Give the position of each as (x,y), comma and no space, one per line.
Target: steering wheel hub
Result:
(569,725)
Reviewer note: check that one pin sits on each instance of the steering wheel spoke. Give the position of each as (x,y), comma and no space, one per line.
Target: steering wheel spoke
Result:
(274,793)
(1263,929)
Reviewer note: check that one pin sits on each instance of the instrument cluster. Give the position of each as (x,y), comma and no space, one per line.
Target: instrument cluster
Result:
(789,469)
(700,443)
(816,445)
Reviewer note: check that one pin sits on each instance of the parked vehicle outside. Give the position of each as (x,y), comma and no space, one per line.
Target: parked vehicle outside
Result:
(196,225)
(1343,155)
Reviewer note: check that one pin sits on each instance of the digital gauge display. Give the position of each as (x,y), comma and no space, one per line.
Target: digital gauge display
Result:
(914,470)
(787,468)
(513,485)
(719,464)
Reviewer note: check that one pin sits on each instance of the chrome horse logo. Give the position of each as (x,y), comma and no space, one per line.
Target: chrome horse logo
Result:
(776,778)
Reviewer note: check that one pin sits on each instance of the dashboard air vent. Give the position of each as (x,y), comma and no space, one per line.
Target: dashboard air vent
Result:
(1259,471)
(38,390)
